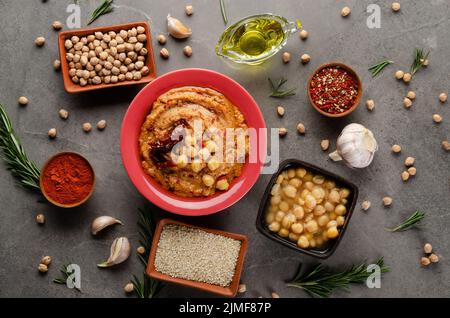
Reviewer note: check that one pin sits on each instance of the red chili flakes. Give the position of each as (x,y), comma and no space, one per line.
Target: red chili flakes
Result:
(333,90)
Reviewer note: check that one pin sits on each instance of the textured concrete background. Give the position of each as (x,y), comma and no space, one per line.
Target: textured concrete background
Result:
(27,70)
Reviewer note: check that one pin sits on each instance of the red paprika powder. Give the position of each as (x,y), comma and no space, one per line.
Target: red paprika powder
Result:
(67,179)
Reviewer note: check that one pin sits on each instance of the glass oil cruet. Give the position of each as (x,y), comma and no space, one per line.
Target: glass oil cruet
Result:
(256,38)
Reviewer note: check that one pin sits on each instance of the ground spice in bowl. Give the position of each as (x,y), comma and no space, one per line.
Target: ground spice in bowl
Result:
(334,90)
(67,180)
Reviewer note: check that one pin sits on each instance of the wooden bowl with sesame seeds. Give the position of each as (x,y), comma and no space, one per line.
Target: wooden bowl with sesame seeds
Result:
(227,291)
(349,97)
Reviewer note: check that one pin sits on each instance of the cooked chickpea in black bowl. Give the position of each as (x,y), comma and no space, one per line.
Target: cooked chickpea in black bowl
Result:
(306,208)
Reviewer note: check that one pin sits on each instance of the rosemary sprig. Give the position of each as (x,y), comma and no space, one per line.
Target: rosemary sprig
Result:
(419,60)
(147,287)
(410,222)
(321,281)
(14,155)
(378,67)
(278,92)
(66,275)
(223,11)
(104,8)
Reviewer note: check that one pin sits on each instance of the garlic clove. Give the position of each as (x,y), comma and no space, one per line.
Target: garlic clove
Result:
(120,251)
(102,222)
(177,29)
(356,146)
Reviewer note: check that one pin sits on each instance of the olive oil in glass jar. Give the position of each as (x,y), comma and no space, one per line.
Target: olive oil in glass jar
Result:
(256,38)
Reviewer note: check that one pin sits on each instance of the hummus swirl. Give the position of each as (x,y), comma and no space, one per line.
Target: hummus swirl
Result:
(194,142)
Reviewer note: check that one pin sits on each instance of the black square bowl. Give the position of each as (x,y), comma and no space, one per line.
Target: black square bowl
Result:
(327,250)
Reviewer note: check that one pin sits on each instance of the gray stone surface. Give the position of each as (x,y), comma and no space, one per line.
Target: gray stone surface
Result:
(27,70)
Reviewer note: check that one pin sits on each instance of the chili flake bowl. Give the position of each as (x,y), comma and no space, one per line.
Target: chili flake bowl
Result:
(228,291)
(53,201)
(320,252)
(141,107)
(352,73)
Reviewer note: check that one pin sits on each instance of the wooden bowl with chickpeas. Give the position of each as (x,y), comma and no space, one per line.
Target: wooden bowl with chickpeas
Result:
(306,208)
(109,56)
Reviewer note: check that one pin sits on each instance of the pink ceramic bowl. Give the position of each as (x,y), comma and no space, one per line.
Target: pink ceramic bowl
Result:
(140,108)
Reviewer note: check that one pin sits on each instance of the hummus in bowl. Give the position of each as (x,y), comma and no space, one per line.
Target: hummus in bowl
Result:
(194,142)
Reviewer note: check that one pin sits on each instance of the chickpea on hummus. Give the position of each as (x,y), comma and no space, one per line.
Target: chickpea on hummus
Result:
(194,141)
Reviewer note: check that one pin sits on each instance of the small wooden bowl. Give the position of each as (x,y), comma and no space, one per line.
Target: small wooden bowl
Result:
(229,291)
(358,97)
(41,181)
(72,87)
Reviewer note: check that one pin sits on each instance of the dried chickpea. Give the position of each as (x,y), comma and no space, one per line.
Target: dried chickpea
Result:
(396,148)
(345,11)
(303,242)
(340,210)
(270,217)
(311,226)
(283,232)
(332,232)
(298,212)
(286,57)
(433,258)
(399,74)
(304,34)
(340,220)
(301,128)
(288,220)
(443,97)
(323,220)
(305,58)
(297,228)
(293,237)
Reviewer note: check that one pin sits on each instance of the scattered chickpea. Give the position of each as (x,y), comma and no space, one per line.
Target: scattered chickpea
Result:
(345,11)
(407,77)
(304,34)
(325,144)
(42,268)
(365,205)
(162,39)
(425,261)
(411,95)
(301,128)
(101,124)
(63,114)
(433,258)
(40,219)
(23,101)
(164,53)
(286,57)
(275,295)
(140,250)
(305,58)
(443,97)
(395,6)
(242,288)
(437,118)
(129,288)
(46,260)
(56,65)
(405,175)
(40,41)
(445,145)
(399,74)
(189,9)
(52,133)
(87,127)
(57,25)
(187,50)
(280,111)
(396,149)
(427,248)
(407,102)
(282,131)
(387,201)
(370,104)
(409,161)
(412,171)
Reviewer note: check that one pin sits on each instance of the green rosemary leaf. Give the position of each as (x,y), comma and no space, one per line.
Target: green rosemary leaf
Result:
(22,168)
(104,8)
(147,287)
(321,281)
(378,67)
(223,11)
(277,90)
(419,60)
(410,222)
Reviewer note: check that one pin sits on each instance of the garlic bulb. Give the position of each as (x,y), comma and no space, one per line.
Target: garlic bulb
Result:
(177,29)
(120,251)
(356,146)
(102,222)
